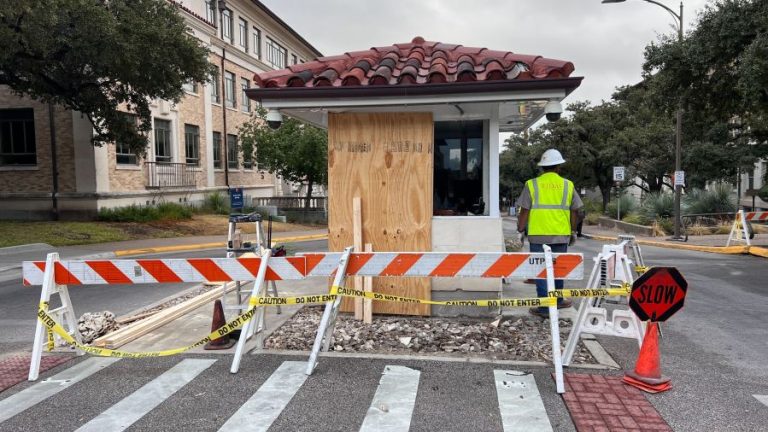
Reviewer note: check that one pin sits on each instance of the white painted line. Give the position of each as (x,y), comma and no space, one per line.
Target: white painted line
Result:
(520,402)
(392,405)
(31,396)
(762,398)
(136,405)
(258,412)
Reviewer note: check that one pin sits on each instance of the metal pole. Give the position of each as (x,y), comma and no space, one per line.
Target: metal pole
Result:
(678,138)
(54,165)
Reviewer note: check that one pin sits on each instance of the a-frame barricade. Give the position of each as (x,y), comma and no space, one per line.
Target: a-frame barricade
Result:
(450,265)
(612,267)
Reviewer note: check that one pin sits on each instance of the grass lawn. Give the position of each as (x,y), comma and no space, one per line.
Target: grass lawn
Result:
(13,233)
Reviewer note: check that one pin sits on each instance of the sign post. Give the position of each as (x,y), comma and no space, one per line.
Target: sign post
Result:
(618,177)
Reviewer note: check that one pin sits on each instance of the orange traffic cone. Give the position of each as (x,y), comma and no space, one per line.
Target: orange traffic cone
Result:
(647,373)
(224,342)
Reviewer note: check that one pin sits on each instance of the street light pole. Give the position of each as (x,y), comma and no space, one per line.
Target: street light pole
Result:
(678,117)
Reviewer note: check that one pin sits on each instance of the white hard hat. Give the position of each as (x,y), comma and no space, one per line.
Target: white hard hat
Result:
(551,157)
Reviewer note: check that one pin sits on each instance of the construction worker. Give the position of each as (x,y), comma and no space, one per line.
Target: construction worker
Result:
(549,208)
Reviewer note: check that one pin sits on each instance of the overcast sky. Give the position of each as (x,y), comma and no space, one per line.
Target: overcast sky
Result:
(604,41)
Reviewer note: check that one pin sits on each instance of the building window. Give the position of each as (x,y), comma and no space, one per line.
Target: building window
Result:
(123,153)
(229,89)
(162,140)
(458,175)
(210,11)
(277,56)
(294,59)
(257,42)
(216,87)
(192,144)
(245,103)
(17,137)
(190,87)
(226,25)
(232,161)
(217,150)
(243,34)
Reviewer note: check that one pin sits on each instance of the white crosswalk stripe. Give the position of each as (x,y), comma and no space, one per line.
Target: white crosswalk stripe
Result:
(392,405)
(41,391)
(392,408)
(142,401)
(520,403)
(762,398)
(258,413)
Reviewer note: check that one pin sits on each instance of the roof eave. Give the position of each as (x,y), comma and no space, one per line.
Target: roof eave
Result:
(502,86)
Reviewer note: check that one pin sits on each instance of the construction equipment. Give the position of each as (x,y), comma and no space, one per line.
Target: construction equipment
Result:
(238,244)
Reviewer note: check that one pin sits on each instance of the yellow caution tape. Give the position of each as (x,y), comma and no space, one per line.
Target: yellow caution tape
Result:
(641,269)
(53,327)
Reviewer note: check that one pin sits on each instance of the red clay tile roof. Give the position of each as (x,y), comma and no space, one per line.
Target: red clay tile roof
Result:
(414,63)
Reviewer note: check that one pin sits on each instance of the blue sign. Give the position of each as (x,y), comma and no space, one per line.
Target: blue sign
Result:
(236,198)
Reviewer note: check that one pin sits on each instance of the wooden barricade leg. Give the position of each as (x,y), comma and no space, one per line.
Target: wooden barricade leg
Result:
(554,323)
(328,320)
(258,285)
(40,333)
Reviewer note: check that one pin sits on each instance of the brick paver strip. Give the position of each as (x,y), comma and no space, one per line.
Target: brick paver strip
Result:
(15,369)
(604,403)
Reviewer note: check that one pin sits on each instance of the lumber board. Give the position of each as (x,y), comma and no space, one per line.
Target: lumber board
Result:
(134,331)
(357,240)
(368,287)
(387,160)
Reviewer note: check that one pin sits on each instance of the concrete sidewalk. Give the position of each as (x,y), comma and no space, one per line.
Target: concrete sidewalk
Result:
(12,257)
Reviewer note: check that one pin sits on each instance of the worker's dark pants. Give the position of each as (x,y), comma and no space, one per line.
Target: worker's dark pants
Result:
(541,284)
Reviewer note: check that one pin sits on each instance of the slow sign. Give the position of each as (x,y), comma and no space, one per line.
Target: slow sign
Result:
(658,294)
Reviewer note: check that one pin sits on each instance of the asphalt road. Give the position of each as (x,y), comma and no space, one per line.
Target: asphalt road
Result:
(18,304)
(714,349)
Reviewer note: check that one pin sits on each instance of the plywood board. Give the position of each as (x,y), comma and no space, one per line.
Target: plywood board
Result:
(387,160)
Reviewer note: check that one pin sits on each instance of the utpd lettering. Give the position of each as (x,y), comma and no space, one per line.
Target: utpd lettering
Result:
(657,294)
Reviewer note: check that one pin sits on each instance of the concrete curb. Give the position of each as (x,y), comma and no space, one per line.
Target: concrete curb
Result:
(724,250)
(203,246)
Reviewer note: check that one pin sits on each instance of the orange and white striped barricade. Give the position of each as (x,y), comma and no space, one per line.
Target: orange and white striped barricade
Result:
(739,229)
(447,265)
(612,265)
(54,276)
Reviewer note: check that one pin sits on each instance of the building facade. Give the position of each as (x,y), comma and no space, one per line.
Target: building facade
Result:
(749,183)
(193,147)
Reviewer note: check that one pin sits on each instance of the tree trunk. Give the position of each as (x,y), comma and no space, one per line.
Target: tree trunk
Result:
(606,192)
(310,185)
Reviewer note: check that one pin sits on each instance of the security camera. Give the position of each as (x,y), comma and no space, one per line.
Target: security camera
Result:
(553,110)
(274,119)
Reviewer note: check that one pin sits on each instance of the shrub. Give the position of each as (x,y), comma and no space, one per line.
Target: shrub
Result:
(719,199)
(628,205)
(592,218)
(134,213)
(658,206)
(698,229)
(592,206)
(215,203)
(636,218)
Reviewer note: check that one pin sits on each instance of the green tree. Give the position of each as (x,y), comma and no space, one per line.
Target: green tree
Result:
(296,151)
(721,74)
(95,56)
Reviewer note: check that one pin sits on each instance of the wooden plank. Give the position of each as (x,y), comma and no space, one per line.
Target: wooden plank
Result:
(357,240)
(368,287)
(134,331)
(387,160)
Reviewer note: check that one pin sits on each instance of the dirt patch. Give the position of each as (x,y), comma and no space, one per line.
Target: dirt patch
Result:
(516,338)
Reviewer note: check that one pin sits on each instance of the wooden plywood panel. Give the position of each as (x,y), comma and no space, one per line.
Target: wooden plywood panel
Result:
(385,159)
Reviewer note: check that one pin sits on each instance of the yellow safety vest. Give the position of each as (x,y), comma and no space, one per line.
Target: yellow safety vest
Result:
(551,197)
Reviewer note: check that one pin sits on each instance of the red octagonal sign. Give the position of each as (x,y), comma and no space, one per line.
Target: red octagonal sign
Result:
(658,294)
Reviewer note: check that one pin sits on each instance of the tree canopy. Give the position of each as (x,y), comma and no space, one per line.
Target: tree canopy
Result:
(296,151)
(721,73)
(98,56)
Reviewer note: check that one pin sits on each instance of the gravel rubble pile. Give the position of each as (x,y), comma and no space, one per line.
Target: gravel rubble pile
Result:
(512,338)
(93,325)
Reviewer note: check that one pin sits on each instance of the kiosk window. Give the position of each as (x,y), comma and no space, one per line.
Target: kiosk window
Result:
(458,181)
